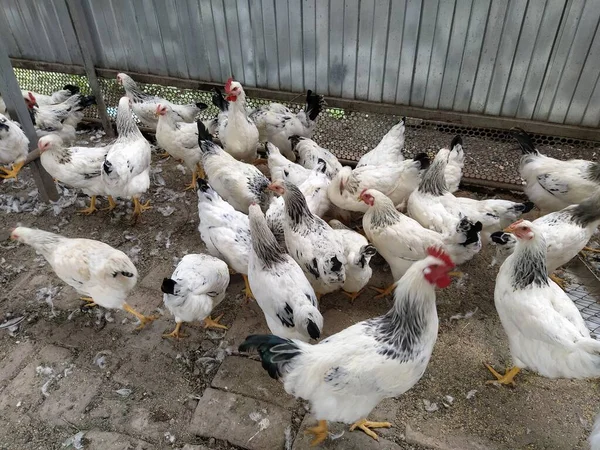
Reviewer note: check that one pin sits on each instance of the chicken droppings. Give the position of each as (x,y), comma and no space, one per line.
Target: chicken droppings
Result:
(430,406)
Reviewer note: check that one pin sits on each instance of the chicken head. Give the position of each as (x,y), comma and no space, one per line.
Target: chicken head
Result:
(436,272)
(233,89)
(522,229)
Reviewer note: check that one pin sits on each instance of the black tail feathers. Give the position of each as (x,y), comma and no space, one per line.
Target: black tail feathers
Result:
(314,104)
(457,140)
(71,88)
(294,140)
(524,207)
(203,134)
(274,352)
(470,229)
(423,159)
(524,140)
(168,286)
(501,238)
(313,330)
(219,101)
(86,100)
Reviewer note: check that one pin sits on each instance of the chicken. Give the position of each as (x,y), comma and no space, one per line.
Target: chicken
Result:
(56,97)
(126,168)
(14,147)
(282,168)
(237,131)
(311,242)
(224,231)
(279,285)
(144,105)
(238,183)
(545,330)
(78,167)
(395,180)
(434,207)
(196,287)
(3,109)
(553,184)
(389,149)
(276,123)
(308,154)
(402,240)
(346,375)
(94,269)
(566,233)
(358,254)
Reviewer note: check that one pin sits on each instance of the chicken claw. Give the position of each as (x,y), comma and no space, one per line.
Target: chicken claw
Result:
(90,209)
(193,184)
(200,171)
(352,295)
(143,319)
(214,323)
(558,280)
(111,204)
(365,425)
(12,173)
(139,208)
(384,292)
(175,333)
(164,155)
(320,432)
(591,249)
(90,301)
(507,378)
(247,291)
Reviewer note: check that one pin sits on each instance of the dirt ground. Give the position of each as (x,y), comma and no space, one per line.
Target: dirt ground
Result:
(68,368)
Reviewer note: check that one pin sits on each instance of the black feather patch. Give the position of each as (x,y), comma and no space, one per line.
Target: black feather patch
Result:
(126,274)
(524,141)
(525,207)
(276,353)
(201,106)
(71,88)
(203,134)
(314,268)
(500,237)
(107,167)
(313,330)
(423,159)
(457,140)
(336,264)
(168,286)
(286,316)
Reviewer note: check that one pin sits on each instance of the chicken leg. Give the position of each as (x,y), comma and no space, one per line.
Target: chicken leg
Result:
(90,301)
(320,432)
(247,290)
(176,332)
(139,208)
(384,292)
(12,173)
(90,209)
(353,295)
(111,204)
(365,425)
(591,249)
(214,323)
(507,378)
(192,185)
(143,319)
(200,171)
(558,280)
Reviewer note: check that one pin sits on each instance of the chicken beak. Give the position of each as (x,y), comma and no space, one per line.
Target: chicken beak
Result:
(509,229)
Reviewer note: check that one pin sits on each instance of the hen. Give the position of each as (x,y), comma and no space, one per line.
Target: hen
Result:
(553,184)
(238,183)
(311,242)
(276,123)
(402,240)
(358,254)
(94,269)
(346,375)
(280,286)
(237,132)
(14,147)
(196,287)
(78,167)
(396,180)
(56,97)
(282,168)
(389,149)
(308,154)
(224,231)
(144,105)
(545,330)
(126,168)
(434,207)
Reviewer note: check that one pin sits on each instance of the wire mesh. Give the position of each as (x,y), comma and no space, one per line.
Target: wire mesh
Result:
(584,289)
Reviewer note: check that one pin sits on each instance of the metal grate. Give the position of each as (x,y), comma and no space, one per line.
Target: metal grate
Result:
(584,289)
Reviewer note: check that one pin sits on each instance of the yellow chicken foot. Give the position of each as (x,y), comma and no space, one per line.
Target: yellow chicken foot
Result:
(558,280)
(111,204)
(591,249)
(143,319)
(507,378)
(90,209)
(320,433)
(214,323)
(164,155)
(247,290)
(384,292)
(365,425)
(456,274)
(192,185)
(176,332)
(12,173)
(139,208)
(352,295)
(90,301)
(200,171)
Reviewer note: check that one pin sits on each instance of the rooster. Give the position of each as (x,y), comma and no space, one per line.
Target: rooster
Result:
(94,269)
(308,153)
(346,375)
(545,330)
(276,123)
(402,240)
(553,184)
(14,147)
(56,97)
(144,105)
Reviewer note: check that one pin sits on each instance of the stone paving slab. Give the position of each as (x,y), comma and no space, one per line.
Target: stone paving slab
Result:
(11,364)
(103,440)
(250,320)
(144,301)
(454,442)
(153,280)
(247,377)
(242,421)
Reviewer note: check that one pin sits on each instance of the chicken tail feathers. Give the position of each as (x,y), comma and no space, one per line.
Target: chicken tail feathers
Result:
(168,286)
(457,140)
(365,254)
(423,159)
(276,353)
(203,134)
(587,211)
(524,141)
(219,101)
(470,230)
(524,207)
(314,105)
(321,165)
(71,88)
(313,330)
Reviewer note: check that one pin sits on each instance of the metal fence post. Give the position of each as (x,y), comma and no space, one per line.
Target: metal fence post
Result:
(84,39)
(11,93)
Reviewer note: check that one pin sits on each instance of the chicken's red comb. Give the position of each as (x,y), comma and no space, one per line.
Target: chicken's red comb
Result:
(514,224)
(228,85)
(440,254)
(363,192)
(31,97)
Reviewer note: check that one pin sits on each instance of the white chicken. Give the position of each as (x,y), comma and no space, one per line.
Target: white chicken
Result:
(553,184)
(60,118)
(346,375)
(546,333)
(389,149)
(308,153)
(196,287)
(358,253)
(311,242)
(434,207)
(3,109)
(282,168)
(78,167)
(237,132)
(276,123)
(56,97)
(94,269)
(279,285)
(395,180)
(144,105)
(402,240)
(566,233)
(126,168)
(224,231)
(14,147)
(240,184)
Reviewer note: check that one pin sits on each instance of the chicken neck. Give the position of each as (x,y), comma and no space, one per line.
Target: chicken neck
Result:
(528,263)
(433,181)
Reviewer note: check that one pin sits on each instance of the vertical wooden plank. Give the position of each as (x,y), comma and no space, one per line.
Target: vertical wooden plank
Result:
(408,56)
(271,44)
(591,117)
(336,47)
(397,17)
(197,57)
(295,18)
(381,21)
(365,48)
(322,47)
(350,48)
(256,19)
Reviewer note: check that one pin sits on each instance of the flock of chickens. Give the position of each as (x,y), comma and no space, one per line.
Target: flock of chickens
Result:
(273,233)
